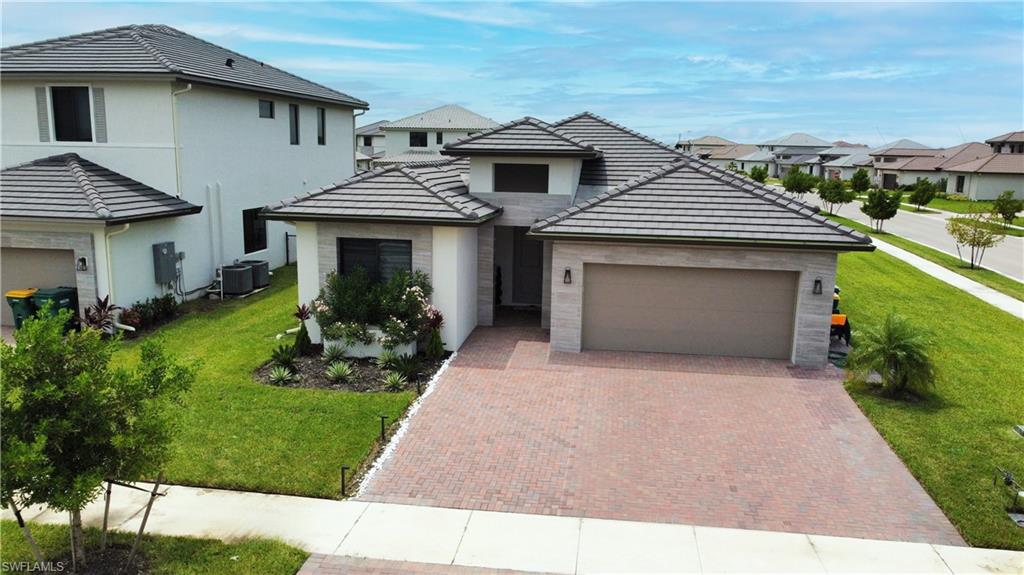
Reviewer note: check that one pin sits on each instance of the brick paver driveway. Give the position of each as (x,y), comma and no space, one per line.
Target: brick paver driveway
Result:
(653,437)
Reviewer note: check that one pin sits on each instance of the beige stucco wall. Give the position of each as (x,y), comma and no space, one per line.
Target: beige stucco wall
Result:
(811,331)
(987,186)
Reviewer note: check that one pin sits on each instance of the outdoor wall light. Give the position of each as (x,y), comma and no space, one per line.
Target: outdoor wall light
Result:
(817,286)
(82,265)
(567,276)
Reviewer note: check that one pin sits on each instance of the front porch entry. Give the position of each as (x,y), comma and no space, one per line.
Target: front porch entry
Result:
(518,276)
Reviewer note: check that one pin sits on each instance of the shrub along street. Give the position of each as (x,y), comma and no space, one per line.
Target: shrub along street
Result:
(953,439)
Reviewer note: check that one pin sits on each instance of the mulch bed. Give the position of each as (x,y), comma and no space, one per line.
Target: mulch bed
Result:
(366,377)
(107,562)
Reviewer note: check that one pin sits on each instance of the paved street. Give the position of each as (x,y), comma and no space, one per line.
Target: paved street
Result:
(728,442)
(930,229)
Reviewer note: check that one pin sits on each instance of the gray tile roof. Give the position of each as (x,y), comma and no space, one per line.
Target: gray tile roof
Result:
(524,137)
(409,157)
(691,201)
(158,49)
(706,141)
(798,140)
(851,160)
(429,193)
(448,117)
(758,156)
(901,144)
(626,154)
(373,129)
(69,187)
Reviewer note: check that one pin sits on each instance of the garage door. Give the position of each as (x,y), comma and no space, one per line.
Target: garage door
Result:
(689,310)
(25,268)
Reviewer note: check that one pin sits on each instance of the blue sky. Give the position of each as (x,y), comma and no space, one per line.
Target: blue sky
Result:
(940,73)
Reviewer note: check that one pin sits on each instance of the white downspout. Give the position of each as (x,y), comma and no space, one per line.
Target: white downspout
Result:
(355,144)
(110,268)
(177,143)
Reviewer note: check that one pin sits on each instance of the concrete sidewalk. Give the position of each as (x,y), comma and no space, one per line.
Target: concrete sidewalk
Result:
(540,543)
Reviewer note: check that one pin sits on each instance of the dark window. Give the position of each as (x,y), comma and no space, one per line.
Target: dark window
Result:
(321,127)
(529,178)
(266,109)
(960,184)
(254,231)
(417,139)
(293,123)
(72,121)
(438,139)
(380,258)
(368,140)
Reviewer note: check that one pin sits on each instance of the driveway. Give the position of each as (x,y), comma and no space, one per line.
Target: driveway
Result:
(752,444)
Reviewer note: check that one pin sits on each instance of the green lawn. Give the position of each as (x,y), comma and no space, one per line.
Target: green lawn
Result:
(951,441)
(239,434)
(166,555)
(965,206)
(998,282)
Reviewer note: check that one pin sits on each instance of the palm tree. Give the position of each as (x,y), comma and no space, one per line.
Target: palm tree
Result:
(898,352)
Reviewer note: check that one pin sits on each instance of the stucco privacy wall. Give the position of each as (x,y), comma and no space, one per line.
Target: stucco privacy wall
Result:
(81,242)
(811,337)
(455,282)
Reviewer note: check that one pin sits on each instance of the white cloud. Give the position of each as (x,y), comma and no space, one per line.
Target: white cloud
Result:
(374,68)
(884,73)
(268,35)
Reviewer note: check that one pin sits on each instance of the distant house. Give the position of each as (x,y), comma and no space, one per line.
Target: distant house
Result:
(703,145)
(370,138)
(931,168)
(120,141)
(420,137)
(885,158)
(987,177)
(781,154)
(841,160)
(728,155)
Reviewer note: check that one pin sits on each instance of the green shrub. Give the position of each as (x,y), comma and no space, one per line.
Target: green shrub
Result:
(394,381)
(798,183)
(898,352)
(923,192)
(435,347)
(284,356)
(303,345)
(280,375)
(881,206)
(833,194)
(333,352)
(387,359)
(339,372)
(759,173)
(408,365)
(860,182)
(958,197)
(1007,207)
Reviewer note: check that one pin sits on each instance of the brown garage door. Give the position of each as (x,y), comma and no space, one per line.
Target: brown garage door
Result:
(689,310)
(27,268)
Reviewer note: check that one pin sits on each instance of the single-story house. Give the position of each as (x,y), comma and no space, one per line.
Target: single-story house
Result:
(931,168)
(987,177)
(59,216)
(724,157)
(844,167)
(604,236)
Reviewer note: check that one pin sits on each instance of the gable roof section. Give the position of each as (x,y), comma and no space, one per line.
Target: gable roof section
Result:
(524,137)
(852,160)
(901,144)
(448,117)
(947,157)
(158,49)
(707,141)
(1009,137)
(428,193)
(732,152)
(993,164)
(625,154)
(69,187)
(373,129)
(798,140)
(692,202)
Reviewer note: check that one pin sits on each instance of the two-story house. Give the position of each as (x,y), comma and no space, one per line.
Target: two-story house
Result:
(421,137)
(118,141)
(608,238)
(989,175)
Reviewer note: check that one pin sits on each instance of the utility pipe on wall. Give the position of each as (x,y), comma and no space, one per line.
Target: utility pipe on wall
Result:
(110,268)
(174,127)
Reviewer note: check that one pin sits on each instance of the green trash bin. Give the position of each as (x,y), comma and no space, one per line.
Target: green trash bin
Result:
(62,298)
(21,304)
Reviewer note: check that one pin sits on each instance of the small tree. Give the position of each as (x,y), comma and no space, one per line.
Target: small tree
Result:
(71,420)
(860,182)
(303,345)
(977,233)
(798,183)
(759,173)
(880,206)
(923,193)
(834,194)
(1007,207)
(898,352)
(732,167)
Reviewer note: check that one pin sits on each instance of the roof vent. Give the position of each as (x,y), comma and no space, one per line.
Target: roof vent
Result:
(230,62)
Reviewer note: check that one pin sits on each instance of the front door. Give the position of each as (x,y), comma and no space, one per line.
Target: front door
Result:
(528,260)
(889,181)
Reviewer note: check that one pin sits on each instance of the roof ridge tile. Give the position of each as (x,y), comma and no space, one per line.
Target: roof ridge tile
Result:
(72,161)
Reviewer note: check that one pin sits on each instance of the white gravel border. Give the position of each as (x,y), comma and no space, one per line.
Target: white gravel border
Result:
(392,445)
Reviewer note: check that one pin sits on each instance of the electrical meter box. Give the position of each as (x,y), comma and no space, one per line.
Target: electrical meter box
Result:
(165,262)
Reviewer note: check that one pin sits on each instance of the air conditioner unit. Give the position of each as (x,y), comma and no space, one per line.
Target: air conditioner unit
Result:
(260,272)
(237,279)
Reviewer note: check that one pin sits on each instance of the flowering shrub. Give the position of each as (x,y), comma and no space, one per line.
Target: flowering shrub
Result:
(351,333)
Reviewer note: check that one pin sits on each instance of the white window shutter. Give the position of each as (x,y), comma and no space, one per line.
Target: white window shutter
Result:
(42,114)
(99,114)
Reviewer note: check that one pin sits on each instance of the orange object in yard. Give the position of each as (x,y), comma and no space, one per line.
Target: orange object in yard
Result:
(839,319)
(22,293)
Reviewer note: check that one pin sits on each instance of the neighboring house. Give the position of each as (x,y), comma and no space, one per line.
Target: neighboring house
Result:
(363,162)
(728,155)
(117,141)
(884,159)
(932,168)
(420,137)
(987,177)
(703,145)
(615,240)
(370,139)
(782,154)
(844,167)
(830,162)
